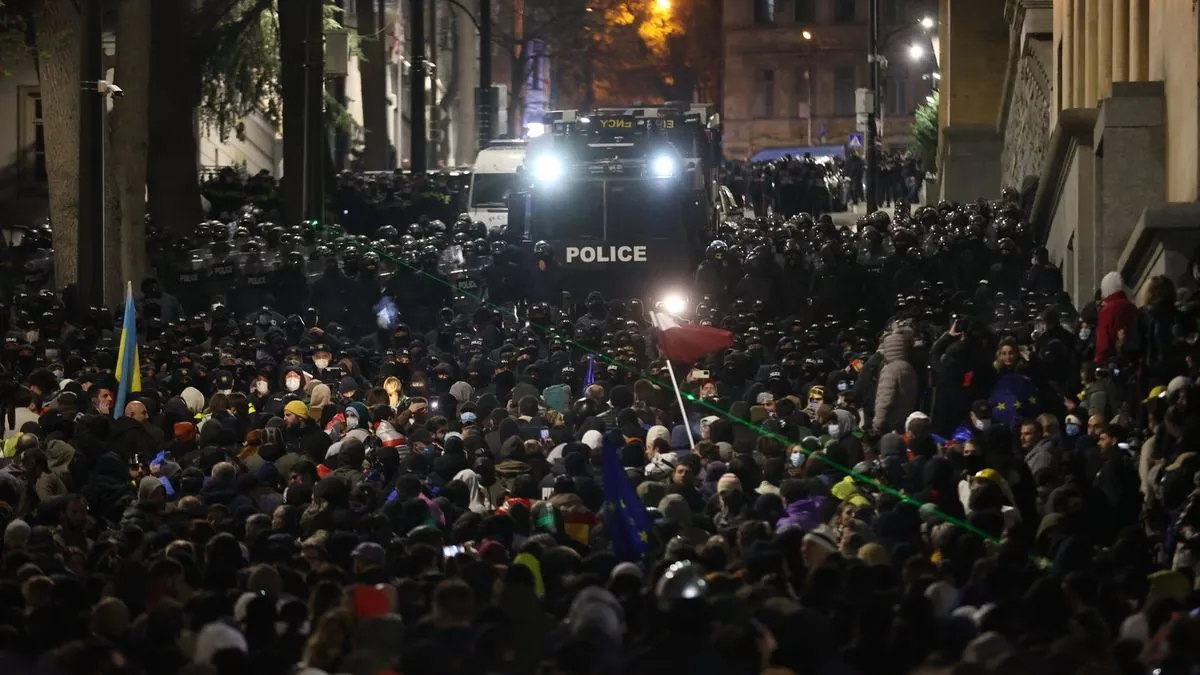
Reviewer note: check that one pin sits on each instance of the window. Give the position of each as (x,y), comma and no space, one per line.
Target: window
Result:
(764,11)
(803,89)
(843,91)
(31,137)
(845,11)
(491,189)
(896,97)
(806,11)
(764,94)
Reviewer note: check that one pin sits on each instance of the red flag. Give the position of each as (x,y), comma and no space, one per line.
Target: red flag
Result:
(687,342)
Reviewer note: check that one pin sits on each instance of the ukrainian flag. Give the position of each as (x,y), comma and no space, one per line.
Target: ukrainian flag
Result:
(129,367)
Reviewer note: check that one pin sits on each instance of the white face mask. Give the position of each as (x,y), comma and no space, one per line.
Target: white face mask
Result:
(58,374)
(262,387)
(321,364)
(982,425)
(351,422)
(797,459)
(833,429)
(1085,333)
(293,383)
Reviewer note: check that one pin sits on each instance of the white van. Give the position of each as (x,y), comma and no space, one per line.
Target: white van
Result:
(493,177)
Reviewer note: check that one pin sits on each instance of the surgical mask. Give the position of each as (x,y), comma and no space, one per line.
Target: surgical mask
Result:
(262,387)
(321,364)
(58,374)
(983,425)
(351,422)
(1085,333)
(293,383)
(833,429)
(31,336)
(843,386)
(797,459)
(1072,430)
(51,353)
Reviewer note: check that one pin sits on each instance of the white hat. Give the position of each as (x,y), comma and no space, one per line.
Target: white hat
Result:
(217,637)
(823,536)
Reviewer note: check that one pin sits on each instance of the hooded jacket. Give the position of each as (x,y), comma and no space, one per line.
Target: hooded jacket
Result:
(896,395)
(481,501)
(1117,313)
(803,513)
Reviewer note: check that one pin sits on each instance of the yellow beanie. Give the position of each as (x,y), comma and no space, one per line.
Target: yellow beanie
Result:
(297,408)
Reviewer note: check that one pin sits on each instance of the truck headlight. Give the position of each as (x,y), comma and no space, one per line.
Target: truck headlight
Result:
(548,168)
(674,303)
(663,166)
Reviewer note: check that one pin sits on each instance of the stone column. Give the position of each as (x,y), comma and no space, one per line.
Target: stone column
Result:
(1091,53)
(1120,41)
(1066,80)
(1129,139)
(1079,67)
(1104,48)
(1139,40)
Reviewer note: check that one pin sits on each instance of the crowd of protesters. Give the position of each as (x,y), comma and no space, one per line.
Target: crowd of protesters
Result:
(806,184)
(917,455)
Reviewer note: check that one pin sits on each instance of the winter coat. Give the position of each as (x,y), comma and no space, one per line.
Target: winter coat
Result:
(896,395)
(803,513)
(1117,313)
(1043,455)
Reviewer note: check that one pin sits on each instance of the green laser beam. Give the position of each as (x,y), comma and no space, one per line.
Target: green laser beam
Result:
(857,476)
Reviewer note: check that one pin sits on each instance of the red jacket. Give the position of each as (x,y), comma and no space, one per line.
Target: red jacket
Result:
(1118,313)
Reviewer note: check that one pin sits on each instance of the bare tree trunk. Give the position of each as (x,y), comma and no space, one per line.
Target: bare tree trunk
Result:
(174,178)
(58,39)
(130,137)
(373,70)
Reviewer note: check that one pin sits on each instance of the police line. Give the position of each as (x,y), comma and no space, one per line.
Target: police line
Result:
(604,254)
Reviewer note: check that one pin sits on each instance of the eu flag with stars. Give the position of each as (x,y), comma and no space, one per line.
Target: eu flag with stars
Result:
(1014,398)
(625,517)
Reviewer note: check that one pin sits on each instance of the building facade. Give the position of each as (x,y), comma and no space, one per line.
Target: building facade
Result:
(791,68)
(1093,117)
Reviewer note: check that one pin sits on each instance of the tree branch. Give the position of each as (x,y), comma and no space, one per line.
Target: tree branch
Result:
(474,19)
(205,44)
(210,15)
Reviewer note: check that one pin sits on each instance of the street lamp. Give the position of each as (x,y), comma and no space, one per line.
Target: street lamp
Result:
(663,5)
(916,52)
(927,22)
(808,113)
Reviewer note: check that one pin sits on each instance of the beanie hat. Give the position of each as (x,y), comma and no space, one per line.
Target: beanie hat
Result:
(729,481)
(185,431)
(297,408)
(361,411)
(823,536)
